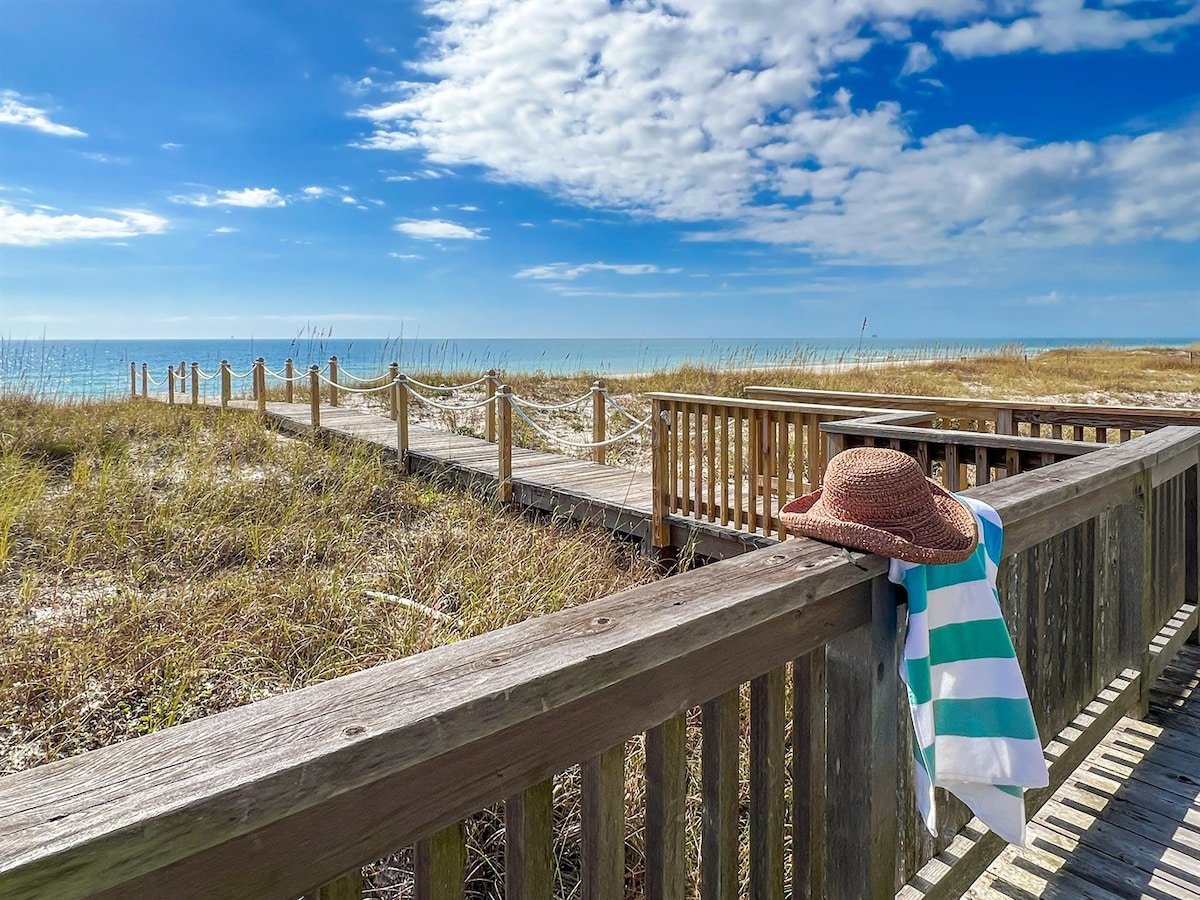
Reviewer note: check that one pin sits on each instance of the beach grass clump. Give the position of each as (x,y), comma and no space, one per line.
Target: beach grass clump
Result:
(160,564)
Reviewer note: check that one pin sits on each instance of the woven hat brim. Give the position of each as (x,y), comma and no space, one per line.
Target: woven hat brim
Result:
(951,539)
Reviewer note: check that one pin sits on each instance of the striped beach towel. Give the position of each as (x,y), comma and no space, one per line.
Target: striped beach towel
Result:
(974,732)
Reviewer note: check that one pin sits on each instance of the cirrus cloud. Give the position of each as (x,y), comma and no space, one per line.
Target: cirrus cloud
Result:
(253,198)
(15,111)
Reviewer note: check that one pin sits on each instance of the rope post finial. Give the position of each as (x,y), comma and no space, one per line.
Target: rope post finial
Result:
(599,421)
(400,401)
(226,384)
(260,376)
(333,381)
(170,386)
(195,383)
(394,372)
(490,426)
(132,379)
(289,372)
(145,380)
(314,396)
(504,491)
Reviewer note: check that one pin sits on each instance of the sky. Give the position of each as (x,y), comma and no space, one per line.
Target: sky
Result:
(585,168)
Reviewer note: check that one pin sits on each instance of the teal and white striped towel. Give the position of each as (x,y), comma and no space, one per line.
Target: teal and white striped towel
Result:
(973,727)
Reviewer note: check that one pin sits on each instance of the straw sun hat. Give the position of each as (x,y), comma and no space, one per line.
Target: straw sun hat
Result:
(880,501)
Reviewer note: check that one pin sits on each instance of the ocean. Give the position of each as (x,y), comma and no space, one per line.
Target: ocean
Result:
(96,369)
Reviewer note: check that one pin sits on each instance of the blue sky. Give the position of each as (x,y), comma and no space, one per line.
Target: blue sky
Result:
(708,168)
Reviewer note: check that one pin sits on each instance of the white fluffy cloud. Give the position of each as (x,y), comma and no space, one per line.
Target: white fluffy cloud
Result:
(919,59)
(568,272)
(1063,26)
(438,230)
(31,229)
(728,112)
(14,111)
(253,198)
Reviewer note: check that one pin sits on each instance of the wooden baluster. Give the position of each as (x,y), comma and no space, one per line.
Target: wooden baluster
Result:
(673,500)
(739,508)
(711,476)
(440,865)
(662,475)
(767,449)
(725,465)
(698,460)
(289,372)
(983,472)
(145,380)
(1012,462)
(755,435)
(393,394)
(766,785)
(1077,432)
(817,451)
(504,400)
(950,468)
(719,784)
(798,483)
(781,468)
(489,382)
(195,384)
(666,809)
(400,401)
(1125,434)
(685,459)
(170,386)
(862,681)
(808,776)
(333,381)
(348,887)
(133,379)
(924,458)
(1006,422)
(226,384)
(1101,435)
(529,843)
(603,837)
(314,396)
(1056,432)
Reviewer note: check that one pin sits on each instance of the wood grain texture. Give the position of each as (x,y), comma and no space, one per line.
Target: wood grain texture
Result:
(666,810)
(808,776)
(766,785)
(602,836)
(529,843)
(719,784)
(440,865)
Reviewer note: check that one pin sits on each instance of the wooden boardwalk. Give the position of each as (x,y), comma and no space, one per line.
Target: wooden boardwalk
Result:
(585,491)
(1127,823)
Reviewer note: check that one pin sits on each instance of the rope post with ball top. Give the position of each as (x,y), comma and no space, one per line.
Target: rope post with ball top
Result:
(490,427)
(504,491)
(195,384)
(400,399)
(260,375)
(133,379)
(170,386)
(314,396)
(598,421)
(145,380)
(393,394)
(226,384)
(289,372)
(333,381)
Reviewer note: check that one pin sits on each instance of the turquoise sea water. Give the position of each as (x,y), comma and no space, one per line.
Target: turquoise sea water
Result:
(101,368)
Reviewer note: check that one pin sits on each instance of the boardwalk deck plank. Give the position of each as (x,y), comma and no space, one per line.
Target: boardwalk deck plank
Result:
(1127,822)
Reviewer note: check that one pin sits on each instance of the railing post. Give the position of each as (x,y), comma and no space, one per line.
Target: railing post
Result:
(394,371)
(254,380)
(170,386)
(660,529)
(195,383)
(333,381)
(145,380)
(182,375)
(289,372)
(1146,618)
(400,401)
(598,421)
(490,427)
(132,379)
(1191,511)
(226,383)
(260,375)
(314,396)
(504,400)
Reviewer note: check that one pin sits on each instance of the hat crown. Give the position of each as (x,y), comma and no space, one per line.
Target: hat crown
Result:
(880,488)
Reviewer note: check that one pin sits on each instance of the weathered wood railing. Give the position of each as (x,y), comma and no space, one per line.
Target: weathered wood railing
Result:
(1097,423)
(289,794)
(737,462)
